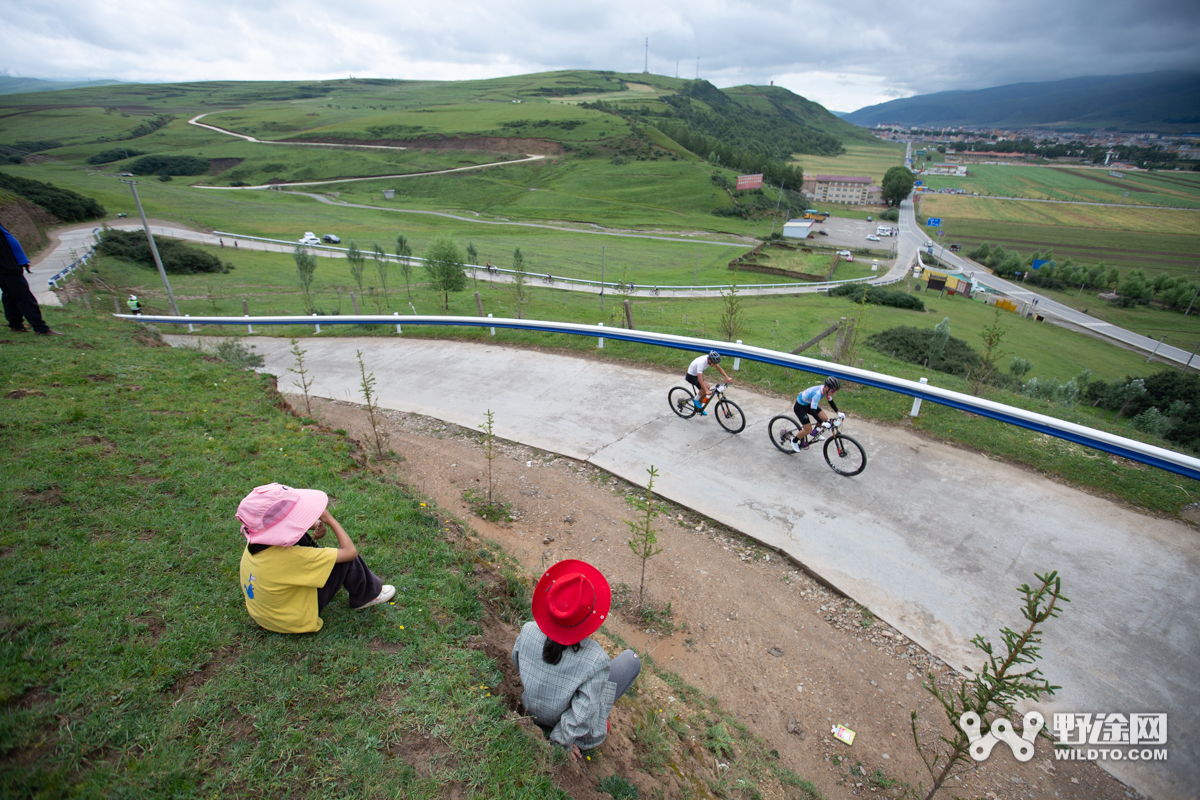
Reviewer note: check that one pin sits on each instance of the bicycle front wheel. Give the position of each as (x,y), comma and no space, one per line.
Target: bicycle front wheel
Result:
(844,455)
(730,416)
(782,430)
(680,399)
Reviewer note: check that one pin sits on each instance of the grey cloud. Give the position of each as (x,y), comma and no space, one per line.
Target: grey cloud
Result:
(900,50)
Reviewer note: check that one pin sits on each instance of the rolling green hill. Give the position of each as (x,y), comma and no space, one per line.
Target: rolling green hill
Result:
(688,139)
(1163,102)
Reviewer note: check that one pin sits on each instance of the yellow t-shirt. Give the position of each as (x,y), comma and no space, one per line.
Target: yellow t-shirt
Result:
(280,586)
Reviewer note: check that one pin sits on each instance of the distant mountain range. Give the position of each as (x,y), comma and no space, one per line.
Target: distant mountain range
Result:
(1166,102)
(21,85)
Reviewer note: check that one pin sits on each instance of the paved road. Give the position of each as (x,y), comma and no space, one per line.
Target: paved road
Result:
(933,539)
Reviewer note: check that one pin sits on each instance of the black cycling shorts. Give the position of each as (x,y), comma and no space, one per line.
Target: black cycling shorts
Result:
(694,380)
(802,412)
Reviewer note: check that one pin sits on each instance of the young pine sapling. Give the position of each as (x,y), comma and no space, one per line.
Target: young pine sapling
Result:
(302,371)
(643,536)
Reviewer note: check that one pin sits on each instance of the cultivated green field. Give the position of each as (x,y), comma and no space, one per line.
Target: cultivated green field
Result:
(1154,240)
(1082,184)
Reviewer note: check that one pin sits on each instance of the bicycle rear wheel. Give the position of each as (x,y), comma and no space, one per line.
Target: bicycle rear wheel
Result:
(730,416)
(844,455)
(680,399)
(782,430)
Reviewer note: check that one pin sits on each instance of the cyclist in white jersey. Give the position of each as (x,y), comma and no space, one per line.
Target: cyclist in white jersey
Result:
(695,376)
(807,402)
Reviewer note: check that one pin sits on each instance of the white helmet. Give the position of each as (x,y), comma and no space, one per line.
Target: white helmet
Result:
(133,297)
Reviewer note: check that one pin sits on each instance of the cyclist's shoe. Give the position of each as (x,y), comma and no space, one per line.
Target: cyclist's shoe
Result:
(797,446)
(815,437)
(699,407)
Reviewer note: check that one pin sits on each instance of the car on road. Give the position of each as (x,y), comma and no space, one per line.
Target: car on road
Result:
(872,237)
(846,254)
(309,238)
(822,233)
(331,238)
(927,244)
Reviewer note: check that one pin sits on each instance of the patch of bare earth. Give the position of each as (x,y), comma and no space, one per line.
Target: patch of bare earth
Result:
(787,656)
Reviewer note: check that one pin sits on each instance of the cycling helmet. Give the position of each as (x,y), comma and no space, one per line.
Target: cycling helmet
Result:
(714,357)
(833,383)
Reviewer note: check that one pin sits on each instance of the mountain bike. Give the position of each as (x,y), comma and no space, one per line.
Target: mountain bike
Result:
(843,454)
(727,412)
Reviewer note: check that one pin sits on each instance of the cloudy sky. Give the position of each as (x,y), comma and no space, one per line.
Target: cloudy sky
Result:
(845,54)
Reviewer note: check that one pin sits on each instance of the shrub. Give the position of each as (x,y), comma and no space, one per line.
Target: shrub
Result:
(63,203)
(177,257)
(912,344)
(115,154)
(1174,394)
(1152,421)
(169,165)
(891,215)
(878,296)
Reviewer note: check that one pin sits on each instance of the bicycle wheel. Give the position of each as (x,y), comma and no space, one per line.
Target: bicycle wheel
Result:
(846,456)
(730,416)
(782,429)
(680,399)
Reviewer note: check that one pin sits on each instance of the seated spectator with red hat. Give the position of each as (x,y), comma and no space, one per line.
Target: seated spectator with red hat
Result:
(286,577)
(570,684)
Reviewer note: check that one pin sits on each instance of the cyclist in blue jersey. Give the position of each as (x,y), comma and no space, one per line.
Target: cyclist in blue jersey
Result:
(695,376)
(807,402)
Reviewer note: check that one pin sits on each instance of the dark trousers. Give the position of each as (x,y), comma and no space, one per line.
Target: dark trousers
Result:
(19,302)
(361,584)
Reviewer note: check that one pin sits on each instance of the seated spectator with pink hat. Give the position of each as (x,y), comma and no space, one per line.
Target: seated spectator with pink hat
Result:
(570,684)
(286,577)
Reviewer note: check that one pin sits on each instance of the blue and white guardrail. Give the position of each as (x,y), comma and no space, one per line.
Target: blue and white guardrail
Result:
(1140,452)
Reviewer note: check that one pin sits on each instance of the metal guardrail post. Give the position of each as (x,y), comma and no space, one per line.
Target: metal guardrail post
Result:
(492,329)
(737,362)
(600,339)
(916,409)
(318,325)
(396,314)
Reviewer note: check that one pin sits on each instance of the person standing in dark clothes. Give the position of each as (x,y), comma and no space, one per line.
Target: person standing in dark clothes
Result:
(19,303)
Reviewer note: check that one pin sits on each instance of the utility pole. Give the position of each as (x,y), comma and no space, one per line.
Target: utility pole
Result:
(601,277)
(777,202)
(154,250)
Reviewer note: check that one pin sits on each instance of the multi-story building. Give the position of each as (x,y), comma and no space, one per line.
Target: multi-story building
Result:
(840,189)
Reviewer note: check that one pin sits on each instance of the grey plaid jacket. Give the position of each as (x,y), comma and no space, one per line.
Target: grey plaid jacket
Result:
(574,696)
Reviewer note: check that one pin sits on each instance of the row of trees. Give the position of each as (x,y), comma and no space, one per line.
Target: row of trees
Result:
(444,263)
(1134,288)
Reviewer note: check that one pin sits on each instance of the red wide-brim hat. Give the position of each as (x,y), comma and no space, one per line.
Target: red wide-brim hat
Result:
(571,601)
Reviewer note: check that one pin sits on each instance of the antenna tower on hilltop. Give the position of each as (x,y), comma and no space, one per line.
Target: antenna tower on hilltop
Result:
(646,67)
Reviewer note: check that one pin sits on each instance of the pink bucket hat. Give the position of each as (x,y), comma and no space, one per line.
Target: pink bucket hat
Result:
(279,515)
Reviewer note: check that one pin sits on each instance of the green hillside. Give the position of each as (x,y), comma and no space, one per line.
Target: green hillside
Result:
(590,125)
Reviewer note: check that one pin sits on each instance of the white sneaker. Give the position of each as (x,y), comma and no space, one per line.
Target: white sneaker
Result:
(385,594)
(796,448)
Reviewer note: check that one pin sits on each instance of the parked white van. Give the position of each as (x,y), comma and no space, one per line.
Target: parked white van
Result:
(309,238)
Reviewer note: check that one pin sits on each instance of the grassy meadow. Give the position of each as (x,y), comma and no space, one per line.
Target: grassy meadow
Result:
(869,158)
(131,668)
